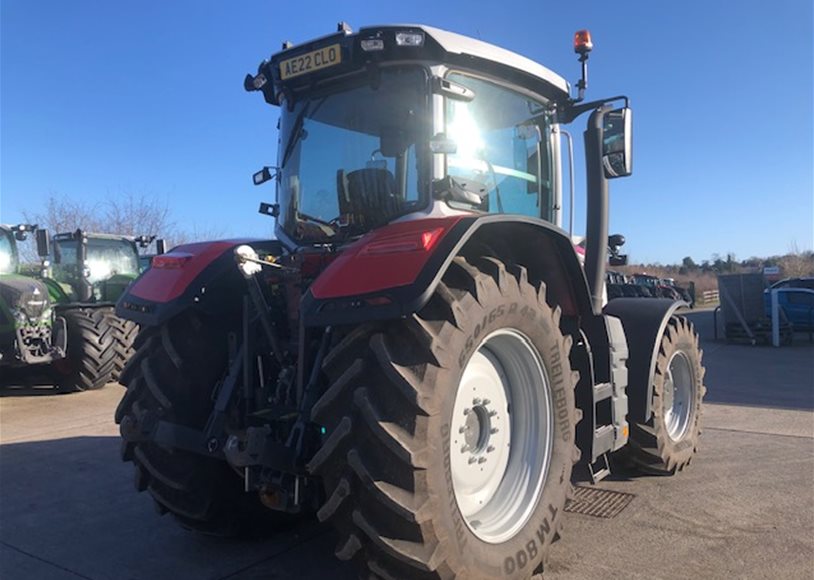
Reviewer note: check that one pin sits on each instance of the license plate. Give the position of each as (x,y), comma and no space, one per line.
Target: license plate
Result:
(310,61)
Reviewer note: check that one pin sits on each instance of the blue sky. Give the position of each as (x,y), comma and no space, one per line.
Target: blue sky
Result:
(99,98)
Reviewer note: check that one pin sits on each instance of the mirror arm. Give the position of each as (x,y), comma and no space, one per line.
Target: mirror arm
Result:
(596,227)
(574,110)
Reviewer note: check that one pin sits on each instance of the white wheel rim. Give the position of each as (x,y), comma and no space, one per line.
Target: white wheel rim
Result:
(501,436)
(679,396)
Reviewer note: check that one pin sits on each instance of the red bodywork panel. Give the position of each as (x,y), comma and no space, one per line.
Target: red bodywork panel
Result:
(174,271)
(389,257)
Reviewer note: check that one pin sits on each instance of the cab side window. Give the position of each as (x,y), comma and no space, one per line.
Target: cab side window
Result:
(502,142)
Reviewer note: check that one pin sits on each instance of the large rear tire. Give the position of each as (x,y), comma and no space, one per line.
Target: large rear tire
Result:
(450,433)
(174,371)
(124,338)
(89,361)
(669,440)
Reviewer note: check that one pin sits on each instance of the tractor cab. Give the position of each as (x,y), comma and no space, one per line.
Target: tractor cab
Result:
(29,331)
(9,238)
(94,267)
(406,122)
(9,259)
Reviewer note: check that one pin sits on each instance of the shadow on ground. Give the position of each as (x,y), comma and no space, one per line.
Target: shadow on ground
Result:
(58,493)
(27,381)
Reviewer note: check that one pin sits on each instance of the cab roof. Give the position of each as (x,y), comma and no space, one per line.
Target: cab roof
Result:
(441,46)
(455,43)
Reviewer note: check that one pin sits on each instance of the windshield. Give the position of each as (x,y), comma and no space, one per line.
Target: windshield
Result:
(503,148)
(353,159)
(105,258)
(8,253)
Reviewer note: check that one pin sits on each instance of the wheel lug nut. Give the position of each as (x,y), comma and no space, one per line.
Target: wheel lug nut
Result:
(476,401)
(490,449)
(467,411)
(493,430)
(462,430)
(482,460)
(492,413)
(486,401)
(465,448)
(472,460)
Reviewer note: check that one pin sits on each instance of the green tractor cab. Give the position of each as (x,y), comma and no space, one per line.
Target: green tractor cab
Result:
(30,331)
(94,268)
(88,273)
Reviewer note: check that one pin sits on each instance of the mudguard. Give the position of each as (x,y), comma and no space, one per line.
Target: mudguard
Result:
(188,274)
(644,321)
(393,271)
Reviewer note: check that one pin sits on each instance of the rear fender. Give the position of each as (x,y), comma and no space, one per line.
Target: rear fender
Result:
(392,272)
(203,275)
(644,321)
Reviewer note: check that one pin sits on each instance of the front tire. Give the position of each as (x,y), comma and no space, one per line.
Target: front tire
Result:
(667,442)
(401,462)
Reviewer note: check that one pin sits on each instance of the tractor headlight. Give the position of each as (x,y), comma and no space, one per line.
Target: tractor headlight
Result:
(19,316)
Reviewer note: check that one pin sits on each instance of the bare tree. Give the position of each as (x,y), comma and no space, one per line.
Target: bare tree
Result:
(62,214)
(194,234)
(797,263)
(136,214)
(126,214)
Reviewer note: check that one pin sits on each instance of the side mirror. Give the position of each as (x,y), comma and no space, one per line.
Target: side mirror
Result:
(143,241)
(160,246)
(616,240)
(43,245)
(263,176)
(617,158)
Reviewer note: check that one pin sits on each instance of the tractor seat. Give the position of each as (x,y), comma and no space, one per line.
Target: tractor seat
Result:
(368,197)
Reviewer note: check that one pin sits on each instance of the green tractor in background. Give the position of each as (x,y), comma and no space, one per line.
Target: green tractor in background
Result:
(30,331)
(87,275)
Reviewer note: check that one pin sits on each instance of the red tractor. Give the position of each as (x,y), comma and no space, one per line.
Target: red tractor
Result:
(419,358)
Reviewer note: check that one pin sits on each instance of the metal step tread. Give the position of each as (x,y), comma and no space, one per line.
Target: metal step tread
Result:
(603,440)
(602,391)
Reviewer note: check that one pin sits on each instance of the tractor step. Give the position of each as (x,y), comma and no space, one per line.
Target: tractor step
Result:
(599,469)
(602,391)
(603,440)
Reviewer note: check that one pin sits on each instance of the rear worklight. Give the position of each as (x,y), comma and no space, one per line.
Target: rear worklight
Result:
(410,38)
(171,261)
(411,242)
(372,44)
